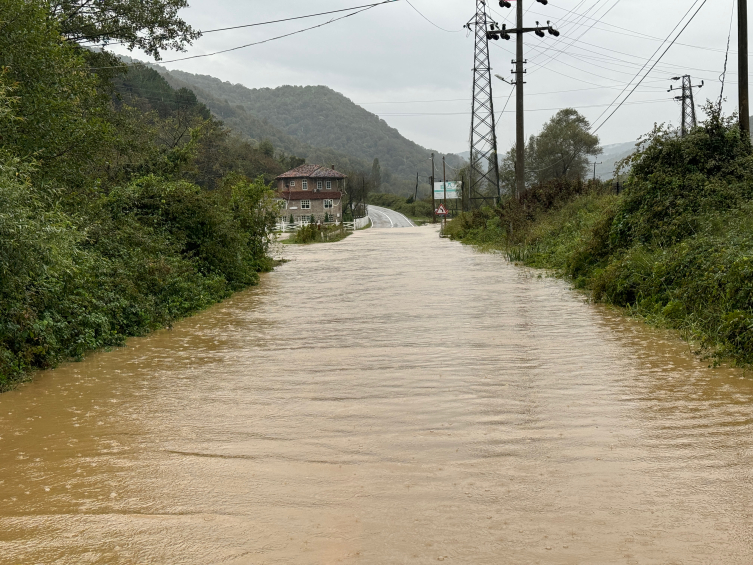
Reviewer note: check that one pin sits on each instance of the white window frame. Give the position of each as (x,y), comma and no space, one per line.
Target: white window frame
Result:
(329,185)
(319,185)
(305,184)
(305,204)
(292,183)
(329,204)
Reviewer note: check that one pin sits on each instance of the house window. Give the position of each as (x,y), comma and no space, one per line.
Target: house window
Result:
(319,185)
(305,184)
(329,185)
(305,204)
(328,203)
(292,183)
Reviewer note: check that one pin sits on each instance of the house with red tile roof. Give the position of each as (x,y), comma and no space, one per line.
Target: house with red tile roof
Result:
(311,190)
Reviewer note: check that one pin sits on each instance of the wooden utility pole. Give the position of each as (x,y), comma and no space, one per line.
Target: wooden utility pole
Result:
(594,164)
(433,204)
(520,135)
(742,60)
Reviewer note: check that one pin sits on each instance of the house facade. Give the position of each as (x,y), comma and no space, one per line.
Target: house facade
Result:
(311,190)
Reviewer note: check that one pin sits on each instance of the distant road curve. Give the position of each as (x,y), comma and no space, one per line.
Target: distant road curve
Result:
(386,218)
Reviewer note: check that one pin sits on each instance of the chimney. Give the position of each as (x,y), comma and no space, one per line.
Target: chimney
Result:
(333,167)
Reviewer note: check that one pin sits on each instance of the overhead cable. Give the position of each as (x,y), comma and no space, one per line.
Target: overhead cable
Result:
(528,110)
(299,17)
(431,22)
(726,57)
(368,7)
(654,65)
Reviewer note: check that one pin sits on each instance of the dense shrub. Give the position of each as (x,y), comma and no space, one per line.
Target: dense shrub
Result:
(101,237)
(152,252)
(676,247)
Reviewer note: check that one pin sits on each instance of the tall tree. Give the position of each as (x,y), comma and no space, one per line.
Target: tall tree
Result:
(150,25)
(563,147)
(560,151)
(376,174)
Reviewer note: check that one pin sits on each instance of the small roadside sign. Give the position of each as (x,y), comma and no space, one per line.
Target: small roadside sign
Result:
(442,211)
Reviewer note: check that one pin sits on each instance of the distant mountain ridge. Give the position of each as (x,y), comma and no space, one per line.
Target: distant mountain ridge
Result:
(314,122)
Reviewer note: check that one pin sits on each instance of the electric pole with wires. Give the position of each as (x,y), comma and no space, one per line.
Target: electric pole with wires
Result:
(483,173)
(594,164)
(495,32)
(688,119)
(742,65)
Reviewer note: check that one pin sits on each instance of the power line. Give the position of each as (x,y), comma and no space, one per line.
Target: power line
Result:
(654,101)
(531,94)
(431,22)
(203,32)
(638,34)
(553,58)
(726,56)
(369,7)
(654,65)
(300,17)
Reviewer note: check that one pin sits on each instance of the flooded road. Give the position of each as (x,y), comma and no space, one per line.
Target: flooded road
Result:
(391,398)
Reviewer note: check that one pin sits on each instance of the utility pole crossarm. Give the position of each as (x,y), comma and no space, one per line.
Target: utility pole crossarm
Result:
(539,30)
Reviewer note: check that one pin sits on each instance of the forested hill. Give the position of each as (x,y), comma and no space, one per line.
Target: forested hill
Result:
(314,115)
(258,129)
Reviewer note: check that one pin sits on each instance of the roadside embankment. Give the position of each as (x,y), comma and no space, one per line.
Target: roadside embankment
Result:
(676,247)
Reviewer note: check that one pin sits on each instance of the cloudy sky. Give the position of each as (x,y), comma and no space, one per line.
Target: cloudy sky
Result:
(410,61)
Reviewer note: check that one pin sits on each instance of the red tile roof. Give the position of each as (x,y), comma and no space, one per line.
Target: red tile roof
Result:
(312,171)
(308,194)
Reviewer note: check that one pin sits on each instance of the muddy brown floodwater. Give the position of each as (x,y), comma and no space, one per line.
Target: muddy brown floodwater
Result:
(392,398)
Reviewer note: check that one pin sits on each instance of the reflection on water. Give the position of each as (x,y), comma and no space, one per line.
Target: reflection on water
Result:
(392,398)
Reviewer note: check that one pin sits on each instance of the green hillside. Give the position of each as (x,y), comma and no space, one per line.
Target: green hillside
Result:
(258,129)
(314,122)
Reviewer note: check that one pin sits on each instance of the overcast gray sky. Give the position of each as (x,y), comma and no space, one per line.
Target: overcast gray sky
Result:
(395,63)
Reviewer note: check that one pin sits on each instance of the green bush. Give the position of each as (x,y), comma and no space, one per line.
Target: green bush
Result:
(675,248)
(99,237)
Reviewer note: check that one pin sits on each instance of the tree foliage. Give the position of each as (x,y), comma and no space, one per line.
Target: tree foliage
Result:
(149,25)
(560,151)
(61,110)
(124,204)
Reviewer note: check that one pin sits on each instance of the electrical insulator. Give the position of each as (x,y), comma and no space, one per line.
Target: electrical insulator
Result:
(539,33)
(544,2)
(553,32)
(504,4)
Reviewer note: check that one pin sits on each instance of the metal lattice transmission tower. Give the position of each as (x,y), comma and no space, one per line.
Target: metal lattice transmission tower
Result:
(688,118)
(483,185)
